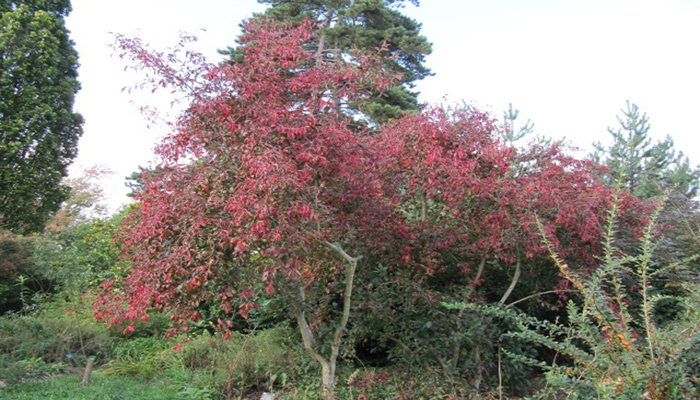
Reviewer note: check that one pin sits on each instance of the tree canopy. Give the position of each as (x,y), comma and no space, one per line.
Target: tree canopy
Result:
(38,129)
(344,25)
(262,178)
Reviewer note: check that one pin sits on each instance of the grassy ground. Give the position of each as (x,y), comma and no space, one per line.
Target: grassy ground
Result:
(103,387)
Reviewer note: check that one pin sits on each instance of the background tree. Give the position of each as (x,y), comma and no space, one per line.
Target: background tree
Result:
(38,129)
(86,200)
(511,134)
(644,168)
(76,249)
(368,25)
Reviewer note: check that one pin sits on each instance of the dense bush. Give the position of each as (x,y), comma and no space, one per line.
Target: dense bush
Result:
(55,265)
(19,277)
(612,345)
(265,360)
(53,340)
(401,325)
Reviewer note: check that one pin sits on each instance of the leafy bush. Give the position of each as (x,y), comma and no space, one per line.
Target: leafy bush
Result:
(17,371)
(64,335)
(398,384)
(18,277)
(13,255)
(402,325)
(142,356)
(611,347)
(265,359)
(261,360)
(78,257)
(35,269)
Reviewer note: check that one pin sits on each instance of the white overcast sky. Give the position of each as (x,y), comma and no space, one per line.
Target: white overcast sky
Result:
(567,65)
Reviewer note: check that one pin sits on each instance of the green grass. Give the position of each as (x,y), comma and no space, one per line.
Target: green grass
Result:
(103,387)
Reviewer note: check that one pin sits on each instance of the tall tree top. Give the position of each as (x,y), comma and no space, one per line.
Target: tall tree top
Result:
(364,24)
(644,168)
(39,131)
(61,7)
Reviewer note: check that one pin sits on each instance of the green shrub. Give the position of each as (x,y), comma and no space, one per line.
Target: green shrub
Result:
(19,278)
(146,368)
(79,334)
(40,268)
(265,359)
(398,384)
(262,360)
(143,357)
(32,368)
(611,347)
(402,325)
(64,334)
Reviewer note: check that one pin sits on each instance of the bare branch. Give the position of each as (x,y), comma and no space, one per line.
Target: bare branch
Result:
(342,252)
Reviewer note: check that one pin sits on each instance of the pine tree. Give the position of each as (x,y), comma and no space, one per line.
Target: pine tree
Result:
(510,133)
(644,168)
(367,25)
(651,170)
(38,129)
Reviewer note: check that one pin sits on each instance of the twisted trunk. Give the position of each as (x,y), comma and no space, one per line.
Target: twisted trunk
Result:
(328,363)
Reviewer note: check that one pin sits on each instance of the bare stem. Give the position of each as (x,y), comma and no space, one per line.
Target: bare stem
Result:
(513,282)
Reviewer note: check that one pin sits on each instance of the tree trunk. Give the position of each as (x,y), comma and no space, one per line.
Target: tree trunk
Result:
(88,372)
(470,289)
(478,377)
(513,282)
(328,377)
(328,364)
(424,206)
(347,301)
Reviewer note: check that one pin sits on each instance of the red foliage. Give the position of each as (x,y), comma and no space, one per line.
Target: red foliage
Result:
(483,198)
(263,167)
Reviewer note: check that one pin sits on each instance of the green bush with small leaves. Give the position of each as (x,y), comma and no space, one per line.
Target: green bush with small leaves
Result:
(611,346)
(267,359)
(62,336)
